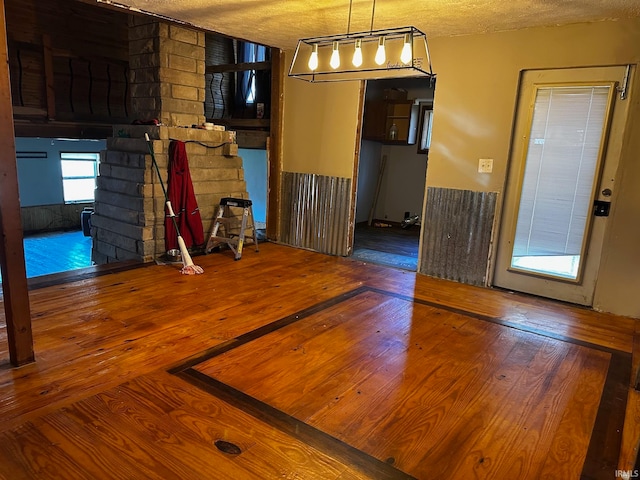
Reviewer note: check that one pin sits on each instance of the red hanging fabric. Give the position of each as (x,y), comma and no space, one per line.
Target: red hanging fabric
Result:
(183,201)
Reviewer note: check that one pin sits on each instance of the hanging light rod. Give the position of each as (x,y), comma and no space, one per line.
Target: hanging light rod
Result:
(389,53)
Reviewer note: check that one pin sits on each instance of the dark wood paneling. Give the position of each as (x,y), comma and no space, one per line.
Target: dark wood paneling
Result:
(219,88)
(76,29)
(69,62)
(46,218)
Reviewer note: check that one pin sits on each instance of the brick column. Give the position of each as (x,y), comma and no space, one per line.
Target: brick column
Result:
(167,83)
(167,71)
(128,223)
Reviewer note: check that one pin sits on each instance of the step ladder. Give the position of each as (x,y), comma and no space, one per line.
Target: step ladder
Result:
(225,229)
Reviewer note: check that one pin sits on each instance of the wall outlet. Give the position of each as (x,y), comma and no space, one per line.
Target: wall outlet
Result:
(485,165)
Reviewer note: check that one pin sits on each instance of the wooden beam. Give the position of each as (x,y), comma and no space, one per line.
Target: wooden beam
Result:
(48,77)
(274,145)
(14,277)
(356,165)
(29,111)
(237,67)
(55,129)
(252,139)
(233,123)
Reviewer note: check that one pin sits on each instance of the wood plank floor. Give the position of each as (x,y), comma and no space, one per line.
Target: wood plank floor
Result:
(291,364)
(396,240)
(387,246)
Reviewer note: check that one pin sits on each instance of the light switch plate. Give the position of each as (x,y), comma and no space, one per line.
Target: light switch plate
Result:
(485,165)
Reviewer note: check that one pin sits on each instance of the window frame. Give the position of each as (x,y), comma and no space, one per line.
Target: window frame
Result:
(93,157)
(425,123)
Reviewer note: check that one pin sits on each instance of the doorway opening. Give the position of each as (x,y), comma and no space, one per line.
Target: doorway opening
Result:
(392,171)
(57,180)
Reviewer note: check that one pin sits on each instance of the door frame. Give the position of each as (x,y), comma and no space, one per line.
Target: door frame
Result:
(504,226)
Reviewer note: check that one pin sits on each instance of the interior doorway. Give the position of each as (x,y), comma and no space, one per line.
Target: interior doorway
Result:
(392,169)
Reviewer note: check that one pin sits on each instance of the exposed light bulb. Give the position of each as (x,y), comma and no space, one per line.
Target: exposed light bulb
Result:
(406,55)
(335,56)
(381,55)
(357,54)
(313,59)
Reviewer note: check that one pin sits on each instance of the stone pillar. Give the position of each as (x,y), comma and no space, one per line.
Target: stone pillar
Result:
(128,223)
(167,71)
(167,83)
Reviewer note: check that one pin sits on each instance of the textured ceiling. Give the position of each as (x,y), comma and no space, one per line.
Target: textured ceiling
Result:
(280,23)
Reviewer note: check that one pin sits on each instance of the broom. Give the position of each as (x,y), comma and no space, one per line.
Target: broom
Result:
(188,267)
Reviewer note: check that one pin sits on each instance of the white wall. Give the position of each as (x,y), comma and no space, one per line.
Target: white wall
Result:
(40,179)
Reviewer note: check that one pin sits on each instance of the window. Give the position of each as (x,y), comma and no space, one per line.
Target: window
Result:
(251,53)
(79,171)
(426,116)
(562,161)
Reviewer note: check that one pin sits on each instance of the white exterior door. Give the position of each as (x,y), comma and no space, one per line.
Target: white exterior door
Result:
(563,163)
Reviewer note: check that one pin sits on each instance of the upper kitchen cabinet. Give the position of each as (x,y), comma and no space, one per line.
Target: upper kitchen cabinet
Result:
(390,121)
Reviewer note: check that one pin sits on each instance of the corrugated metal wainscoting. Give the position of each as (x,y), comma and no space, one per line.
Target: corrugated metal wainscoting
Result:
(457,234)
(315,212)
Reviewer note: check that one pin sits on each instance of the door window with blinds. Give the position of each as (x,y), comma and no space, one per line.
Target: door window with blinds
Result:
(563,157)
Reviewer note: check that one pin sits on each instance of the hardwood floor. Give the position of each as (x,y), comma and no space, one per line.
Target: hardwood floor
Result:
(387,246)
(291,364)
(393,239)
(55,252)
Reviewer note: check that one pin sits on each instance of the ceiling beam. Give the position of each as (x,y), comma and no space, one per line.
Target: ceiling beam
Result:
(238,67)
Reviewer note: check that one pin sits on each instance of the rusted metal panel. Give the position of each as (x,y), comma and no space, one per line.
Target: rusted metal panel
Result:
(457,234)
(315,212)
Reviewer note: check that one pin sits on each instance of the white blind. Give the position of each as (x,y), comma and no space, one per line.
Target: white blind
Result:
(561,162)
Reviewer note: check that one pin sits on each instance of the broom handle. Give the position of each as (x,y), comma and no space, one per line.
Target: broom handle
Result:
(186,258)
(155,164)
(164,190)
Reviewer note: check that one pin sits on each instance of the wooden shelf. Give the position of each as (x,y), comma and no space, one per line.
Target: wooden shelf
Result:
(380,115)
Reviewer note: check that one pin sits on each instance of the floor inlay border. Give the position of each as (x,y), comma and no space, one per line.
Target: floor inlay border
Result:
(604,445)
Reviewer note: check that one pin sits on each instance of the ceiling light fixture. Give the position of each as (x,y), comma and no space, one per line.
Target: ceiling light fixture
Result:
(406,55)
(357,54)
(335,56)
(381,54)
(390,53)
(313,58)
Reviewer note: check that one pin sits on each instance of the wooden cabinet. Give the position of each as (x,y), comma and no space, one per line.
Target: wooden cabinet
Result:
(381,115)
